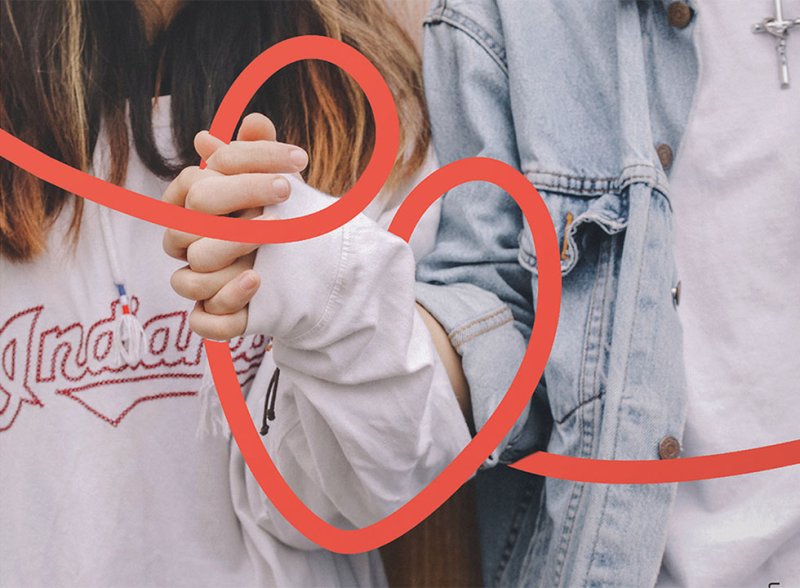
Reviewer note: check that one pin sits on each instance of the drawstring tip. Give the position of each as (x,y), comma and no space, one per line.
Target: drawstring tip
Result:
(270,416)
(130,341)
(269,401)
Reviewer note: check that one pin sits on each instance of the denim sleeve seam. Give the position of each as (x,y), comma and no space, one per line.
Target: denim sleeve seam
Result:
(467,332)
(473,30)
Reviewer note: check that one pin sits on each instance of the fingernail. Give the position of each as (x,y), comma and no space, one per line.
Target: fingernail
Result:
(248,280)
(281,187)
(298,157)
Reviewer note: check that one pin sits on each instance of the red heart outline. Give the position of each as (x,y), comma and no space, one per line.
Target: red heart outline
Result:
(490,435)
(150,210)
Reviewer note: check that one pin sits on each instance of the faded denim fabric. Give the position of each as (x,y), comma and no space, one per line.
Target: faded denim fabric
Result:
(577,95)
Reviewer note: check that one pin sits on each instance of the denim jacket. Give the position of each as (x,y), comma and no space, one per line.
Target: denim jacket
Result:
(588,99)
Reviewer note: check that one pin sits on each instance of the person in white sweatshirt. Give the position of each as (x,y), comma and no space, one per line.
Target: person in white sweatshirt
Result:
(114,473)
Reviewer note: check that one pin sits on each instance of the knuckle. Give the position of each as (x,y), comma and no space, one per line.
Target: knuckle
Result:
(171,245)
(195,257)
(208,328)
(223,306)
(264,185)
(217,330)
(235,325)
(186,174)
(168,241)
(194,260)
(191,284)
(176,282)
(198,325)
(194,196)
(217,309)
(210,255)
(221,158)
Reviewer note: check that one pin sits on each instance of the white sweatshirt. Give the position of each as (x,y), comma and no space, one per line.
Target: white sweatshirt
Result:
(104,481)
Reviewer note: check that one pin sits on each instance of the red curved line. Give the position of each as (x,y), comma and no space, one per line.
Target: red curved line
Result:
(387,139)
(464,465)
(653,471)
(387,129)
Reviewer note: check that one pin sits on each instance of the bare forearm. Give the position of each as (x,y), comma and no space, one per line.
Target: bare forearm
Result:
(451,361)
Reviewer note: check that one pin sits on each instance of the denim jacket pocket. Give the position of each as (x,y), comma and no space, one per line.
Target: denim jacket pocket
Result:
(572,215)
(588,229)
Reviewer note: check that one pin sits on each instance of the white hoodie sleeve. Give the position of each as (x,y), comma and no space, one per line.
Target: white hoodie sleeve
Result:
(365,415)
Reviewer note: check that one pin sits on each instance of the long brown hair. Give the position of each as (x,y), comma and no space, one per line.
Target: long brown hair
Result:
(68,65)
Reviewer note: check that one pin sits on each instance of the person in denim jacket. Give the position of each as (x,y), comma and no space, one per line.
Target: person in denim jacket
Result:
(590,100)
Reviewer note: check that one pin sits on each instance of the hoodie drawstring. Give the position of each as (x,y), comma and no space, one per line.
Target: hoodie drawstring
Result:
(130,341)
(269,401)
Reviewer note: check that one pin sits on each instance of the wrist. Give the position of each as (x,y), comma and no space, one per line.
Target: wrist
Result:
(298,279)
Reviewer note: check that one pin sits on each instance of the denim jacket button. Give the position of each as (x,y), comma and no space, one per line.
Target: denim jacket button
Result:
(676,294)
(665,155)
(669,448)
(679,15)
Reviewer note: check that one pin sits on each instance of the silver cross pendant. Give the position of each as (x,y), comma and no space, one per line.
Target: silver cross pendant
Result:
(779,27)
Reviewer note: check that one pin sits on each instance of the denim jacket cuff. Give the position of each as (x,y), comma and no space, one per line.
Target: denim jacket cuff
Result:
(481,329)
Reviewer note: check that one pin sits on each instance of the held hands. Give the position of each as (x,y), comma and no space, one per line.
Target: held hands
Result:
(241,179)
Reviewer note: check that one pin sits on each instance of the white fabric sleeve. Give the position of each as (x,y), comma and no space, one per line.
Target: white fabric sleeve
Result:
(365,414)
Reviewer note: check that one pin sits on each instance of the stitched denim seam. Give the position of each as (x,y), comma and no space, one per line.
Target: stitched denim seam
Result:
(589,426)
(465,333)
(646,173)
(594,332)
(632,330)
(491,314)
(511,539)
(525,569)
(473,30)
(569,518)
(599,296)
(609,259)
(566,535)
(596,186)
(589,336)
